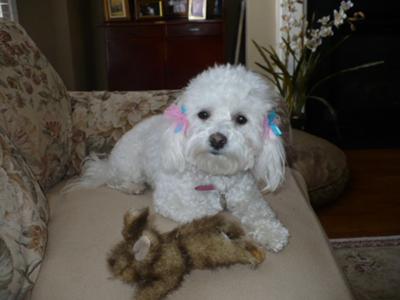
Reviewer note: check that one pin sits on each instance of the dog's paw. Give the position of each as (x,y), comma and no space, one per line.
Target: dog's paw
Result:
(130,188)
(136,188)
(274,238)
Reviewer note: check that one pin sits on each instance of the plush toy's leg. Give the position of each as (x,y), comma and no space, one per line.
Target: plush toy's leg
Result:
(231,229)
(209,251)
(158,288)
(244,252)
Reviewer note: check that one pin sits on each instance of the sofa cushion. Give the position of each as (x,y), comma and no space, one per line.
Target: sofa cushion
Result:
(23,219)
(100,118)
(86,224)
(34,105)
(322,164)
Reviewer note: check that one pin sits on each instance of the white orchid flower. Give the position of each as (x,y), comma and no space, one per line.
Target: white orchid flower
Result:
(339,17)
(346,5)
(324,20)
(326,31)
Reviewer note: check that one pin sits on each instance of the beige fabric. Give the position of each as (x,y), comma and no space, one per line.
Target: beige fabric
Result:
(84,225)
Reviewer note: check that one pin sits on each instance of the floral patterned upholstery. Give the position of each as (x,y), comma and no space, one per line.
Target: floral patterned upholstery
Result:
(23,220)
(100,118)
(34,105)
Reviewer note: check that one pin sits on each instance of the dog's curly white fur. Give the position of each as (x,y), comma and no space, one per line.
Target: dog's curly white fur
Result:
(223,146)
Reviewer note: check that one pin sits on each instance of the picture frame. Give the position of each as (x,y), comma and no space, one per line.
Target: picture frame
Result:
(116,10)
(197,9)
(214,9)
(149,9)
(176,8)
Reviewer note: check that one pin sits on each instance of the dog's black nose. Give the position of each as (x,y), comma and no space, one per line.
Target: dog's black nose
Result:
(218,140)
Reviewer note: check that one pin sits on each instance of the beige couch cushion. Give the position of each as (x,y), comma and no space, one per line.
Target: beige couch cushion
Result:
(84,225)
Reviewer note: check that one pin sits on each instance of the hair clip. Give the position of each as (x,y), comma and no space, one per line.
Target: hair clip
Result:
(178,115)
(271,129)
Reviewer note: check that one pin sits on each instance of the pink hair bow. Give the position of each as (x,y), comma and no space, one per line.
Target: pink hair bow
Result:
(178,115)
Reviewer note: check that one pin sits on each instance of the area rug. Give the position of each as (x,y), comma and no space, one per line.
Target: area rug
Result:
(371,265)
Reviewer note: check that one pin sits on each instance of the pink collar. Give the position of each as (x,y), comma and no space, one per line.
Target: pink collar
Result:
(205,188)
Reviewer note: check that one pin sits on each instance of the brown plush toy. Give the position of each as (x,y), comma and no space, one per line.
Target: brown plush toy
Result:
(157,262)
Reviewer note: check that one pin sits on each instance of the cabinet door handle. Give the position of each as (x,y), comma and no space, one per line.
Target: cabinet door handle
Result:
(194,29)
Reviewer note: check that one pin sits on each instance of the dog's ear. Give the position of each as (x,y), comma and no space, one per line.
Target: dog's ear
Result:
(172,157)
(269,167)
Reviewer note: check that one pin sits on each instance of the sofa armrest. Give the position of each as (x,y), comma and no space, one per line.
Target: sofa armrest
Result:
(23,223)
(100,118)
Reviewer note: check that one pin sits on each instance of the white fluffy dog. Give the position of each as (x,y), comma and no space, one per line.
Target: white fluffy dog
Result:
(206,153)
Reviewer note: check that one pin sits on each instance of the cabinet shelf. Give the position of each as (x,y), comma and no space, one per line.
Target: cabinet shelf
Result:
(163,54)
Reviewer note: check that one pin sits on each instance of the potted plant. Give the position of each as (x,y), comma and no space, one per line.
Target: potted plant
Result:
(301,54)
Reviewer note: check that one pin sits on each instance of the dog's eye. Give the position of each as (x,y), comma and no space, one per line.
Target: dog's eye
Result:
(240,119)
(204,115)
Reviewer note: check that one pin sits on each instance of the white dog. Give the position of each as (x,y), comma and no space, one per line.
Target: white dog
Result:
(205,154)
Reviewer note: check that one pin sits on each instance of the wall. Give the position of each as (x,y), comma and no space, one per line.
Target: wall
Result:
(261,26)
(64,30)
(97,48)
(46,22)
(231,18)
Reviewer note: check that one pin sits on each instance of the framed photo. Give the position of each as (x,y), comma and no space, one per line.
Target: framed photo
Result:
(148,9)
(214,9)
(176,8)
(117,10)
(197,9)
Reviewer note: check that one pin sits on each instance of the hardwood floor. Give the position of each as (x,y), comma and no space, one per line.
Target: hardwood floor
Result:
(371,204)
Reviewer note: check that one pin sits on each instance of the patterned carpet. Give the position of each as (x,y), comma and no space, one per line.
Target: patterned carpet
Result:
(371,265)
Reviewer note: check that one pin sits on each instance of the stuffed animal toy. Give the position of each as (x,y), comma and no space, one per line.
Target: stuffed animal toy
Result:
(157,263)
(207,153)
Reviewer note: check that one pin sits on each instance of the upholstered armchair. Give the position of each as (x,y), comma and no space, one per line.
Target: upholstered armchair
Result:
(53,245)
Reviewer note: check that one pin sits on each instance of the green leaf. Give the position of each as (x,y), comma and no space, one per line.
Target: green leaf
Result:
(327,104)
(353,69)
(287,82)
(290,50)
(269,68)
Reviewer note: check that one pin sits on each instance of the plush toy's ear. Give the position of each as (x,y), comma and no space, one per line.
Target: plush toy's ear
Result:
(172,140)
(135,222)
(269,167)
(141,248)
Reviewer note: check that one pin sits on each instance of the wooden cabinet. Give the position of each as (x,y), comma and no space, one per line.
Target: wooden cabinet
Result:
(161,55)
